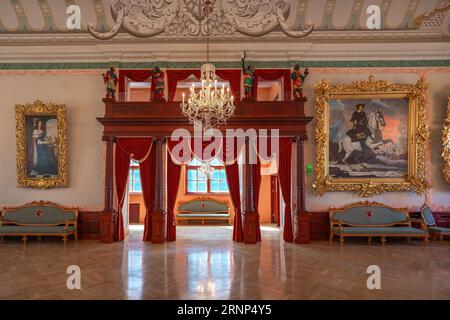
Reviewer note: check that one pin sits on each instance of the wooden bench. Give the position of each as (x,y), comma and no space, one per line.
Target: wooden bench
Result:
(204,209)
(39,219)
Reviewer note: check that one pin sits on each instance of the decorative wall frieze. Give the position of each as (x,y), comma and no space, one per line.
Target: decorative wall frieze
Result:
(232,20)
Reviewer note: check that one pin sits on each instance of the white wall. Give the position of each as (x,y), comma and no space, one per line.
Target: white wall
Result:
(82,95)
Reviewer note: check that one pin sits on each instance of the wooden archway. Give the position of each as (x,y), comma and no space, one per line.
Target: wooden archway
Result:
(159,119)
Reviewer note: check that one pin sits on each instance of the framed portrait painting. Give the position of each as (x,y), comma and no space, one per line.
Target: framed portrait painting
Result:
(371,137)
(41,140)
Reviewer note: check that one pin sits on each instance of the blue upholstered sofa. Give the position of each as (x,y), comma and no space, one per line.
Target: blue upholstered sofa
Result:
(372,219)
(204,209)
(39,219)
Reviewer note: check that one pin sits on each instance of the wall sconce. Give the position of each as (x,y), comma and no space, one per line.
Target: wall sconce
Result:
(309,168)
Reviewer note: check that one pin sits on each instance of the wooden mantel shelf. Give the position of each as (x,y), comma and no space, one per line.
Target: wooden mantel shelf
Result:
(161,118)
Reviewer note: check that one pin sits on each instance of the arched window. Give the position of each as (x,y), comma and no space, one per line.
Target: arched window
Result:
(196,182)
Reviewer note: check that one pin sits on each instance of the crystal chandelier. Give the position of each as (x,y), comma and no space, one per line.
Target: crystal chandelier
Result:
(206,170)
(210,106)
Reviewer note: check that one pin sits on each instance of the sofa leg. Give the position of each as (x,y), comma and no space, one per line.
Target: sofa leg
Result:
(65,240)
(39,238)
(24,239)
(75,236)
(441,238)
(369,240)
(383,241)
(408,239)
(425,241)
(341,240)
(331,238)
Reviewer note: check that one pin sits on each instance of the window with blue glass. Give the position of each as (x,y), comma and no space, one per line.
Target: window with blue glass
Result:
(198,183)
(134,178)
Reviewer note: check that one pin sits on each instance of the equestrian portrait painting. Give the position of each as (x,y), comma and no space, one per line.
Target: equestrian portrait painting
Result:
(370,137)
(41,145)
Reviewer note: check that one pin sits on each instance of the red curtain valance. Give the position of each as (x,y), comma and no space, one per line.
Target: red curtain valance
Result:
(174,76)
(274,74)
(134,75)
(227,150)
(234,79)
(232,76)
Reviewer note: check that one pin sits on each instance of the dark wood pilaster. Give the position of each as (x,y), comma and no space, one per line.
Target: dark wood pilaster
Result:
(159,213)
(301,217)
(107,219)
(250,213)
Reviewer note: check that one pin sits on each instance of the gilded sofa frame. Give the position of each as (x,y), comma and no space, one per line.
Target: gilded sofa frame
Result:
(203,218)
(340,224)
(24,236)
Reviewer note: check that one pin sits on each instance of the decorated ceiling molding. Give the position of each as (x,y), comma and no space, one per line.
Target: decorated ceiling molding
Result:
(174,20)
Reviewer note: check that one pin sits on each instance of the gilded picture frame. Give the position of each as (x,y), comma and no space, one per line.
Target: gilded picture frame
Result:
(446,144)
(414,99)
(41,143)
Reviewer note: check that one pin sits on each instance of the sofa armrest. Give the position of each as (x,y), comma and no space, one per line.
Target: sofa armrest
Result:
(422,223)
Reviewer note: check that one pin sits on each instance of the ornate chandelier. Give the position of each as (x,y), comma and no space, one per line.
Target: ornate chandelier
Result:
(206,170)
(210,106)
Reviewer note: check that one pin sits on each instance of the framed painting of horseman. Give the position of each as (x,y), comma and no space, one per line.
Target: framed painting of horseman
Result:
(371,137)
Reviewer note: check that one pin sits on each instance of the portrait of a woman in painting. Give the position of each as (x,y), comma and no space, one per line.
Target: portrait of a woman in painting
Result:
(42,147)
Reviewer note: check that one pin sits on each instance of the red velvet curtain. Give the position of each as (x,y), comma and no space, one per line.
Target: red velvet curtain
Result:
(173,76)
(232,172)
(257,186)
(127,149)
(135,75)
(173,182)
(122,165)
(274,74)
(234,78)
(147,171)
(284,177)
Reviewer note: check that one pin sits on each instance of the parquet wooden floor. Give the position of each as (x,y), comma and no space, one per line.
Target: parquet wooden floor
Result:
(205,264)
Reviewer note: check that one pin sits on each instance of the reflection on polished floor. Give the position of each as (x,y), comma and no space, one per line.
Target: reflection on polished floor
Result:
(205,264)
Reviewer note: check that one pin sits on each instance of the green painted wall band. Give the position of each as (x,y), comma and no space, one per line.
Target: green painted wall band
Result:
(226,64)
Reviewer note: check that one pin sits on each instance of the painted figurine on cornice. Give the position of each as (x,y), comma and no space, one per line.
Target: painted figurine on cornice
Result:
(158,82)
(297,80)
(110,79)
(249,77)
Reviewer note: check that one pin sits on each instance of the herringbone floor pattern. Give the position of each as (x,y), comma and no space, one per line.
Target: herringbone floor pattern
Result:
(205,264)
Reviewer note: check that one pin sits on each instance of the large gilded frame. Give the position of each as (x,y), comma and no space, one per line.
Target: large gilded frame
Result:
(38,108)
(418,133)
(446,144)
